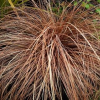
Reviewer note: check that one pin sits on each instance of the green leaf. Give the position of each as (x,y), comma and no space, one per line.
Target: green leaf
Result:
(91,5)
(87,6)
(83,4)
(98,1)
(98,10)
(94,20)
(75,3)
(88,0)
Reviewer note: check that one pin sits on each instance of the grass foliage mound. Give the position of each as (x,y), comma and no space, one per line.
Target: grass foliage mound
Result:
(43,54)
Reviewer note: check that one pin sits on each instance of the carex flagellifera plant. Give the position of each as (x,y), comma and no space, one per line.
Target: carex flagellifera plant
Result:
(43,53)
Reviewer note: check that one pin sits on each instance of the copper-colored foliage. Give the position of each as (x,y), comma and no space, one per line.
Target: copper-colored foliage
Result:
(42,51)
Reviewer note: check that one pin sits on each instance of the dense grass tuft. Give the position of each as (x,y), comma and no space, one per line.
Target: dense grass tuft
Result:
(43,53)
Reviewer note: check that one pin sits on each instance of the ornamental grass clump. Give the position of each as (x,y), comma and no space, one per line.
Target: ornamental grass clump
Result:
(43,54)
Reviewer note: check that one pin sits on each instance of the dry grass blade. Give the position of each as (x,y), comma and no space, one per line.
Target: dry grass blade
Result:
(42,54)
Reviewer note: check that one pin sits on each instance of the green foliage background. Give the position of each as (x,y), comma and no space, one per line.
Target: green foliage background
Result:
(5,6)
